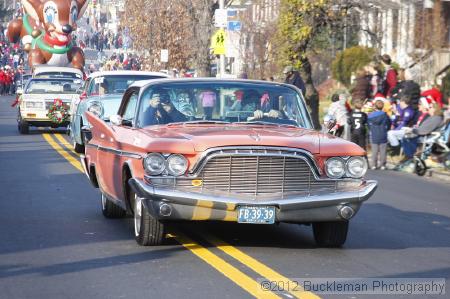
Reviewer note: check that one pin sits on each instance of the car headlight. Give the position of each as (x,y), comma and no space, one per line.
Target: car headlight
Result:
(177,165)
(335,168)
(34,105)
(96,108)
(356,167)
(154,164)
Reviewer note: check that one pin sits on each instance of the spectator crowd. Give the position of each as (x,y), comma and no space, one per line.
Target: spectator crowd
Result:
(11,65)
(389,112)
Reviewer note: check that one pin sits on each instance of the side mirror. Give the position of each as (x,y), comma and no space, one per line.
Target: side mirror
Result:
(328,123)
(115,120)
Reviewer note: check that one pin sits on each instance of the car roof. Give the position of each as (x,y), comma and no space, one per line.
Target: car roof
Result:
(46,68)
(121,73)
(54,79)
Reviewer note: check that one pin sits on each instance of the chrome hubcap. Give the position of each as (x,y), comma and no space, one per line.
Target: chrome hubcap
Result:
(137,215)
(103,202)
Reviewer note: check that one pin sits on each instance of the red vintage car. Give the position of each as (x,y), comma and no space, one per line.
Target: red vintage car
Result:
(224,150)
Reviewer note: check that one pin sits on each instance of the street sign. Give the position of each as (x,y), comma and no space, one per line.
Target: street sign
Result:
(164,55)
(220,18)
(234,26)
(218,42)
(232,13)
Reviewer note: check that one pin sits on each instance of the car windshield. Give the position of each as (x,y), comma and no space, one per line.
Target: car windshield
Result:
(53,75)
(113,84)
(52,86)
(222,102)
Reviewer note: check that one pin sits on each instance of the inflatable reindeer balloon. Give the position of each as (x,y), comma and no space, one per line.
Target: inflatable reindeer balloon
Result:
(45,31)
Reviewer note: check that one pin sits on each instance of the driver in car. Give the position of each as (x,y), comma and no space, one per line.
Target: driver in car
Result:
(161,110)
(267,108)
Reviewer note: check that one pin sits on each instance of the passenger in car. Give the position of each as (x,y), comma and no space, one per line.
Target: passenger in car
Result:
(161,111)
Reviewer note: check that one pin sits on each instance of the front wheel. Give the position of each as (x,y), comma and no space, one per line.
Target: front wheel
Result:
(420,168)
(330,234)
(78,148)
(111,210)
(147,229)
(22,125)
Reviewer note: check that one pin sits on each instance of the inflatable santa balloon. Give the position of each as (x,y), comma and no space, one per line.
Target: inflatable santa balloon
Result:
(45,31)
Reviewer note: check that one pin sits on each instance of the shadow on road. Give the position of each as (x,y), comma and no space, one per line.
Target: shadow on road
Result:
(85,265)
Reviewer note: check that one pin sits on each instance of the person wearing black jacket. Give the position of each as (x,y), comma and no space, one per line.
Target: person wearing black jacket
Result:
(293,77)
(358,124)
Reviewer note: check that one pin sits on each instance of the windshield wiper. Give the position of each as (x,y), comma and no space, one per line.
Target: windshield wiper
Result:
(260,122)
(199,122)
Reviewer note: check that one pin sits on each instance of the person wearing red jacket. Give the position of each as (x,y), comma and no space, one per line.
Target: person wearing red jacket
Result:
(2,81)
(433,94)
(9,81)
(390,76)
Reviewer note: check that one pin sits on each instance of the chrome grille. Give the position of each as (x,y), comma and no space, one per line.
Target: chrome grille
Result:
(262,176)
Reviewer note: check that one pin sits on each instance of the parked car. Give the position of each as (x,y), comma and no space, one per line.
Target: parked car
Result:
(38,97)
(45,71)
(102,94)
(247,154)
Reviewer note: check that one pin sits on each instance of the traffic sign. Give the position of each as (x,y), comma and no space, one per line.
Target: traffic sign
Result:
(220,18)
(164,55)
(234,26)
(218,42)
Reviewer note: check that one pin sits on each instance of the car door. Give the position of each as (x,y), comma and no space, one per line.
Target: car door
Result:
(111,142)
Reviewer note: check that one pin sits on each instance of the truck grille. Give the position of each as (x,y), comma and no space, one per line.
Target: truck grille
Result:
(48,104)
(255,176)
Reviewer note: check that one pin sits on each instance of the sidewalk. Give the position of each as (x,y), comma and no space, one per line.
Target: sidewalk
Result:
(434,173)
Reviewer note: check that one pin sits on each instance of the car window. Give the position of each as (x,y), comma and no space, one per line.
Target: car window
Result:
(52,86)
(130,109)
(231,102)
(114,84)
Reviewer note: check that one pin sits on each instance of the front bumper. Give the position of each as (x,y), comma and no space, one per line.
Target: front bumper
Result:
(197,206)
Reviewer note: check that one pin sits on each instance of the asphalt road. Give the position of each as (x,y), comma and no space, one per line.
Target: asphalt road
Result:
(54,242)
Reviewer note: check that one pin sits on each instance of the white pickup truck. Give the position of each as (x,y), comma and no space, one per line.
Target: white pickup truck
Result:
(40,95)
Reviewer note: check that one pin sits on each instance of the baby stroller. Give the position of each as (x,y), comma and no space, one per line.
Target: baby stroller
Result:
(434,145)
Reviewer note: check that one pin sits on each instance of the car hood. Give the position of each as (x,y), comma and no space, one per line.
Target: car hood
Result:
(202,137)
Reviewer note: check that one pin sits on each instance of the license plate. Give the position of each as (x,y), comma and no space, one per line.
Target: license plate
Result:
(256,215)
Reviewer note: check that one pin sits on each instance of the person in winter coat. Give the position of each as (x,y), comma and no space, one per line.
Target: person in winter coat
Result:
(338,111)
(405,118)
(361,87)
(358,124)
(433,122)
(293,77)
(390,76)
(379,124)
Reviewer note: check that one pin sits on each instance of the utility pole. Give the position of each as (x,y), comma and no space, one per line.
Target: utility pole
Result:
(222,56)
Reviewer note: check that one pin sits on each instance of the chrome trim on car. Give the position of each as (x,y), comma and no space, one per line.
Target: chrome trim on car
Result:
(115,151)
(324,207)
(207,155)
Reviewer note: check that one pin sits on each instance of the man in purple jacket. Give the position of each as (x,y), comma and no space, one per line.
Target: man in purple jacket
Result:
(406,116)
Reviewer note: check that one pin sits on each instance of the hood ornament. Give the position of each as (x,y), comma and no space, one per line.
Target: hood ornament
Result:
(255,137)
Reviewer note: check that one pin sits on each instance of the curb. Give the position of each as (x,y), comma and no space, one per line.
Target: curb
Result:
(440,175)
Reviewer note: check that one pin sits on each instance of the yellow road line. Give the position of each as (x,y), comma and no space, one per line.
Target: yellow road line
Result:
(62,152)
(235,275)
(258,267)
(64,142)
